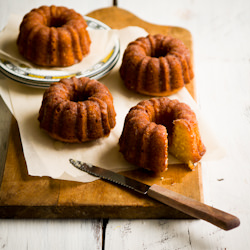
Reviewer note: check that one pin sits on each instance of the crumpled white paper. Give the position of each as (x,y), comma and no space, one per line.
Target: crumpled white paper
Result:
(47,157)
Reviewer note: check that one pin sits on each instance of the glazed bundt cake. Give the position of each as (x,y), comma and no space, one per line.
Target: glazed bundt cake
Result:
(77,110)
(156,65)
(155,127)
(53,36)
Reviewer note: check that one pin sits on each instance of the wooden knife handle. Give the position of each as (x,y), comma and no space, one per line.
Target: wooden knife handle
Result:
(193,208)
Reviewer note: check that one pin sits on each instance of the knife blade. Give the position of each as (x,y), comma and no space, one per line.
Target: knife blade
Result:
(178,201)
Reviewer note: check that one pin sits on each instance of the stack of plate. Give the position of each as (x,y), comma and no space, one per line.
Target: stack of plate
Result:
(42,78)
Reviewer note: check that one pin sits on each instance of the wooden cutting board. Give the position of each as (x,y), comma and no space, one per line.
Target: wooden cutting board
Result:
(24,196)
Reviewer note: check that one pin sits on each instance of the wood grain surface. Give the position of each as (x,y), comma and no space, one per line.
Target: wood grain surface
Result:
(23,196)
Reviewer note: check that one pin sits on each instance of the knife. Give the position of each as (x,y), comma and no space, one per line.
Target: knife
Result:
(180,202)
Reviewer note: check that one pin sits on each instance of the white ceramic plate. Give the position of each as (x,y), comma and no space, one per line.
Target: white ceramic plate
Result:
(42,78)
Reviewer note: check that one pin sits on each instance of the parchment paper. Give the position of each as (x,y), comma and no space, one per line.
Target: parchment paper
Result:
(47,157)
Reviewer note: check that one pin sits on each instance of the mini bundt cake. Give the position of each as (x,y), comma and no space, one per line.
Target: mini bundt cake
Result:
(53,36)
(156,65)
(155,127)
(77,110)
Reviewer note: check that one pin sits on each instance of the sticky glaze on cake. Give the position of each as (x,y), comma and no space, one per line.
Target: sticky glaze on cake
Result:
(157,126)
(156,65)
(53,36)
(77,110)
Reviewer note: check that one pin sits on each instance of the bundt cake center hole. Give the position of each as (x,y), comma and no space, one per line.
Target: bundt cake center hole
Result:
(79,97)
(167,121)
(160,52)
(56,22)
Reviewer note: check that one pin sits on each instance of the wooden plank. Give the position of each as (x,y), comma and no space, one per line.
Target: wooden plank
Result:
(5,121)
(23,196)
(51,234)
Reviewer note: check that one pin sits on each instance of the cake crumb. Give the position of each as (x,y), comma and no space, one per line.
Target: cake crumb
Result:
(191,165)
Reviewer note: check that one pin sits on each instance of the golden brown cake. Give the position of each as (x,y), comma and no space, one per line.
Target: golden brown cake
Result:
(77,110)
(157,126)
(53,36)
(156,65)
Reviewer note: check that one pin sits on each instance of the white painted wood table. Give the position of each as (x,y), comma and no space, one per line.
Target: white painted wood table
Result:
(221,37)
